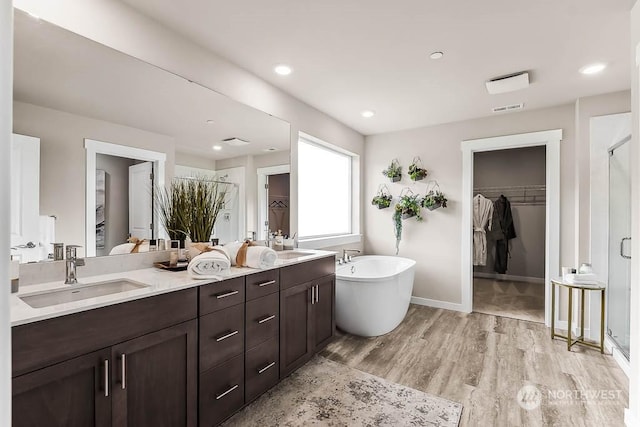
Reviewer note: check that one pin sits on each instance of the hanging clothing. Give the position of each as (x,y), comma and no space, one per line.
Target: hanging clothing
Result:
(482,214)
(504,231)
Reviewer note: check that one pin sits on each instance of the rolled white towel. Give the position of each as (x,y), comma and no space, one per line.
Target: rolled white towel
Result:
(208,265)
(260,257)
(126,248)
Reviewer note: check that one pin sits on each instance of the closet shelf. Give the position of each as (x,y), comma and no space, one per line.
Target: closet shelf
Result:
(517,195)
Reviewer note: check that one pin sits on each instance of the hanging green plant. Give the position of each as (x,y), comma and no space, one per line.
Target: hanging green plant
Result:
(408,206)
(394,171)
(383,198)
(416,171)
(433,201)
(435,198)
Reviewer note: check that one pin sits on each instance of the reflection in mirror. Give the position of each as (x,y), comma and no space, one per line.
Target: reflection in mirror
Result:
(68,90)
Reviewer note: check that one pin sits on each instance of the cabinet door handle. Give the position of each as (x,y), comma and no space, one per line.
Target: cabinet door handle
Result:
(225,336)
(123,361)
(221,395)
(313,295)
(270,282)
(225,294)
(317,293)
(106,378)
(270,365)
(266,319)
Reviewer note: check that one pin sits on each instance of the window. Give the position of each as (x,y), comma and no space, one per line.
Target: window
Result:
(325,190)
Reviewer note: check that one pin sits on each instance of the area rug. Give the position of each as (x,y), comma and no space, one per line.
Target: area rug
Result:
(327,393)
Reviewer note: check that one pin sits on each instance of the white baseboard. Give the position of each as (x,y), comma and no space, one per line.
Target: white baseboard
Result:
(630,420)
(437,303)
(508,277)
(617,356)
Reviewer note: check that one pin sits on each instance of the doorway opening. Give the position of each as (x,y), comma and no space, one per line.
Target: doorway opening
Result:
(551,141)
(273,201)
(509,232)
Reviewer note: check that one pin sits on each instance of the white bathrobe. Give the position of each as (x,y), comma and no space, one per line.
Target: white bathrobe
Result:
(482,213)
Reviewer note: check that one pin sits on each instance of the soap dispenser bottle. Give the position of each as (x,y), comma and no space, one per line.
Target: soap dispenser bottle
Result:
(279,241)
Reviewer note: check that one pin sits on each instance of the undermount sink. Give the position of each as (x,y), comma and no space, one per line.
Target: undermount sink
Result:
(293,254)
(80,292)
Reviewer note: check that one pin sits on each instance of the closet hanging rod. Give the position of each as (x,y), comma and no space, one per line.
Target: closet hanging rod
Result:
(511,188)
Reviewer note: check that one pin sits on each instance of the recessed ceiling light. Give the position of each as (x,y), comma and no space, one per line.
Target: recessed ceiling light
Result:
(217,147)
(283,69)
(271,149)
(210,122)
(593,68)
(367,114)
(436,55)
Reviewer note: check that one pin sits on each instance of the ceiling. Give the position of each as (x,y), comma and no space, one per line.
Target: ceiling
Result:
(58,69)
(353,55)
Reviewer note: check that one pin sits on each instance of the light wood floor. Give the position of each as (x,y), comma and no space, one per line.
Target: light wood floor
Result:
(482,361)
(517,300)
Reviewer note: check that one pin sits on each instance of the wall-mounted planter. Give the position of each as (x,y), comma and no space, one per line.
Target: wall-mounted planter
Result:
(416,171)
(393,171)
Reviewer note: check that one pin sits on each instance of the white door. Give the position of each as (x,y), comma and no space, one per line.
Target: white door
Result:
(25,189)
(141,200)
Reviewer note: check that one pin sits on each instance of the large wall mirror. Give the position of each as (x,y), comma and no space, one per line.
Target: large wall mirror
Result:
(93,129)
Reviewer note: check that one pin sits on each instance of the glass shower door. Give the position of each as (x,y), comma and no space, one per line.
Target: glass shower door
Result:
(619,286)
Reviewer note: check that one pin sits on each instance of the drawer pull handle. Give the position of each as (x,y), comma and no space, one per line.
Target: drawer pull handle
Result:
(266,319)
(226,294)
(225,336)
(270,365)
(220,396)
(106,378)
(270,282)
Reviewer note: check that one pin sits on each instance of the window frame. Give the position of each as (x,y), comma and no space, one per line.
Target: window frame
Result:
(353,234)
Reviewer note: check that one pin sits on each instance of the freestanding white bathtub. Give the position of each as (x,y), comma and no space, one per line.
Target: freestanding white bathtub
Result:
(373,294)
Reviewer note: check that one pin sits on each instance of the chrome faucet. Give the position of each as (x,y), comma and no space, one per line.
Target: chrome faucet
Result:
(346,257)
(72,262)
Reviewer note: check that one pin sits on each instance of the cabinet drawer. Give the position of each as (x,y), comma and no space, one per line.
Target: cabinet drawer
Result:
(262,319)
(221,336)
(261,368)
(221,391)
(306,271)
(261,284)
(220,295)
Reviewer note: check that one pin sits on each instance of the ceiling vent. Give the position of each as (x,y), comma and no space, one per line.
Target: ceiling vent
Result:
(509,83)
(505,108)
(235,142)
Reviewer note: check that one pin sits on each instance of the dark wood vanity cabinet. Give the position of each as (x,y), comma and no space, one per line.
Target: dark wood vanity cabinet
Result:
(154,378)
(185,358)
(74,393)
(307,312)
(147,380)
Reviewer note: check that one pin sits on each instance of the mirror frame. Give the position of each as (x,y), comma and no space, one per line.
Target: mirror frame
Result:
(93,148)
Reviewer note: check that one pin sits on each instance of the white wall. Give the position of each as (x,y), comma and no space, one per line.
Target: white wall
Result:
(123,28)
(6,128)
(435,243)
(63,159)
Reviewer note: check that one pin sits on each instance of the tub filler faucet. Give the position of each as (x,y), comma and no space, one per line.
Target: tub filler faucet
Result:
(345,254)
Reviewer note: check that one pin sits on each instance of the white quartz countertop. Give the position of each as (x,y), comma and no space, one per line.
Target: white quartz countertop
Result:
(157,282)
